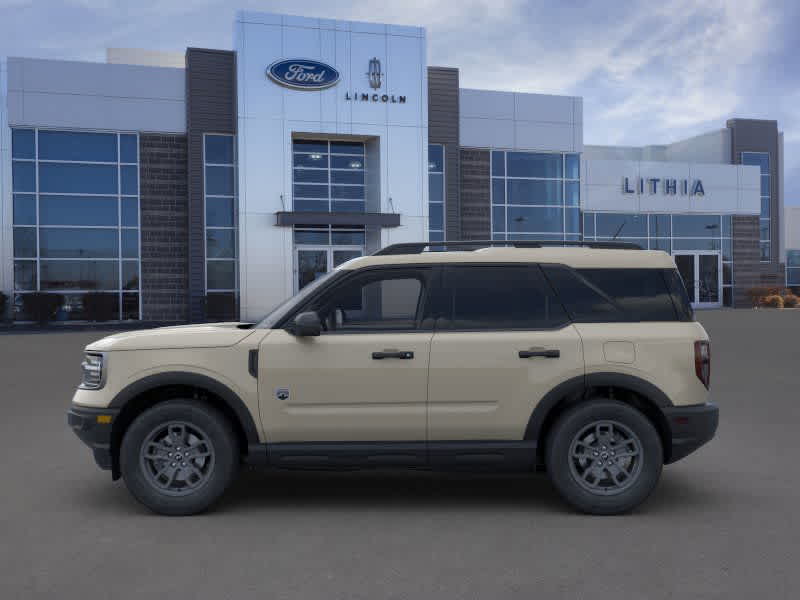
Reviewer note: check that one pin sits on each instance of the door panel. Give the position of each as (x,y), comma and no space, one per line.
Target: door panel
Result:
(685,264)
(708,275)
(335,391)
(480,388)
(311,263)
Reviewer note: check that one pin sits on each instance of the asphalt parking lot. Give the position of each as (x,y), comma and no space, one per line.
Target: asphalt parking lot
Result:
(724,523)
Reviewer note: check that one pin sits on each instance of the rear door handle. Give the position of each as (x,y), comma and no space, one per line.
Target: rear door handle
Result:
(543,352)
(402,354)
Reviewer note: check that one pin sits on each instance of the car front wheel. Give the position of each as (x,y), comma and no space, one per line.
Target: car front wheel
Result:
(604,457)
(178,457)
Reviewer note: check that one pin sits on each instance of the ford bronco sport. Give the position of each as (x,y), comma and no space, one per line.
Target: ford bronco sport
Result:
(585,361)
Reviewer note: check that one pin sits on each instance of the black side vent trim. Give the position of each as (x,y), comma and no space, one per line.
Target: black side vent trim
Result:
(252,363)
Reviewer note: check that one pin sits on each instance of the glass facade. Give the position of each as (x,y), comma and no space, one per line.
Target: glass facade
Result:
(321,248)
(221,223)
(793,268)
(669,232)
(328,176)
(436,192)
(76,221)
(761,160)
(535,196)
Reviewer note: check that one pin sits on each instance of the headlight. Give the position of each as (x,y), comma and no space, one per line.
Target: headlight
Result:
(92,371)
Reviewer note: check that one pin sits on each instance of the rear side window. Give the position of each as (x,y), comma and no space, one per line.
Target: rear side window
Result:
(499,297)
(607,295)
(679,296)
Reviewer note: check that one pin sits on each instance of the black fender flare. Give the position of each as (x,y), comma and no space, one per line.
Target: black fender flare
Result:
(228,396)
(577,387)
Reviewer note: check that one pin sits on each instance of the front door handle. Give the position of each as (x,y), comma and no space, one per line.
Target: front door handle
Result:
(402,354)
(543,352)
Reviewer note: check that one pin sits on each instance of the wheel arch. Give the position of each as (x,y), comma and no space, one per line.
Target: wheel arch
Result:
(145,393)
(632,390)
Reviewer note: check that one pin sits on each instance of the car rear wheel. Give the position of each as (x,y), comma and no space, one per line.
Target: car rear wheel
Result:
(178,457)
(604,457)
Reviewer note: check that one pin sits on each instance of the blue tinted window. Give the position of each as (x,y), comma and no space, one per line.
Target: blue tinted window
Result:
(310,146)
(765,185)
(529,164)
(357,177)
(77,179)
(498,218)
(219,149)
(347,148)
(348,206)
(221,274)
(588,225)
(621,225)
(435,158)
(77,210)
(340,162)
(348,192)
(219,181)
(23,143)
(498,163)
(130,243)
(312,237)
(129,180)
(79,275)
(572,220)
(313,175)
(660,226)
(219,212)
(664,244)
(320,161)
(25,275)
(78,243)
(311,205)
(436,216)
(130,212)
(793,258)
(130,275)
(545,220)
(527,191)
(128,149)
(73,145)
(436,187)
(25,242)
(726,225)
(498,191)
(695,244)
(759,159)
(727,249)
(436,236)
(348,238)
(220,243)
(573,166)
(765,207)
(572,189)
(310,191)
(696,225)
(24,209)
(23,176)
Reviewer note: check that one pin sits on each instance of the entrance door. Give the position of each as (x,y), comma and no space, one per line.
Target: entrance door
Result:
(313,261)
(702,274)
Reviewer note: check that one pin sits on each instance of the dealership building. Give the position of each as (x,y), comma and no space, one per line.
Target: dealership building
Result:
(213,184)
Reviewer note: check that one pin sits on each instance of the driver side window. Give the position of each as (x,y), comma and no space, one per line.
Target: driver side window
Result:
(374,301)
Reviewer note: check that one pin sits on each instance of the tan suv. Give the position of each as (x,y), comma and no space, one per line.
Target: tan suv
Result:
(585,361)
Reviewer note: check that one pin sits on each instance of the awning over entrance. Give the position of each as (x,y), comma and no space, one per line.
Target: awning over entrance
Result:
(288,219)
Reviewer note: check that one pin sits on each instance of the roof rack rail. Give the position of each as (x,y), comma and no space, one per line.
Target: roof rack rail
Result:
(468,245)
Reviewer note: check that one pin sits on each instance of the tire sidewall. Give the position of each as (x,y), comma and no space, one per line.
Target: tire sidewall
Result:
(221,436)
(557,456)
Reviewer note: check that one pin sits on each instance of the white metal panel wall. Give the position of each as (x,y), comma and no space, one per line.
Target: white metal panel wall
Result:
(729,189)
(491,119)
(83,95)
(269,115)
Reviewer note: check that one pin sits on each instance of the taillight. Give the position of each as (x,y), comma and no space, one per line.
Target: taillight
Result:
(702,361)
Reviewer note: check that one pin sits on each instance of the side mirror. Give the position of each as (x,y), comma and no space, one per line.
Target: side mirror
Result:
(307,324)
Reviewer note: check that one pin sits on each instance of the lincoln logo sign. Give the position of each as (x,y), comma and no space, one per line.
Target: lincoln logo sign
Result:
(667,186)
(302,74)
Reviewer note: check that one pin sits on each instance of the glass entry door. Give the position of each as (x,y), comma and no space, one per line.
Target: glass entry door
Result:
(312,262)
(702,275)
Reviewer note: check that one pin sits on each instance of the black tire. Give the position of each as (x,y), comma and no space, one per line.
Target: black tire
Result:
(206,477)
(580,481)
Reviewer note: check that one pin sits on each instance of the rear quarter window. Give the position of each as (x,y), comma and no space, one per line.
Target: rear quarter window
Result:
(607,295)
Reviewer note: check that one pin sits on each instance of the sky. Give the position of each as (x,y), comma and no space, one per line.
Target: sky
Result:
(649,72)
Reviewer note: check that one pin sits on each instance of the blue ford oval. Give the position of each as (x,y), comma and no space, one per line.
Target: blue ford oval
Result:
(303,74)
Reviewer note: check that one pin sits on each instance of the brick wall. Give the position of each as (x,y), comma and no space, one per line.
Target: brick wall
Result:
(748,270)
(165,227)
(476,219)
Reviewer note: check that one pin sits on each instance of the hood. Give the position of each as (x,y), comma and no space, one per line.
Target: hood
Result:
(207,335)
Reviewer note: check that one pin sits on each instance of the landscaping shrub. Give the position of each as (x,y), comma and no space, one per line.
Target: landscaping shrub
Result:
(41,306)
(99,306)
(790,301)
(773,301)
(757,295)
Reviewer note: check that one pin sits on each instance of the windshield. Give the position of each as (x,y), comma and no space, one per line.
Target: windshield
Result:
(284,307)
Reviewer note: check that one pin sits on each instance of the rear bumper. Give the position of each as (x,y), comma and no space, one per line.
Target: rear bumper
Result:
(96,435)
(691,427)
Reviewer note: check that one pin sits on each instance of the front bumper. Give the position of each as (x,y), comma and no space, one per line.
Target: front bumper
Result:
(691,427)
(94,432)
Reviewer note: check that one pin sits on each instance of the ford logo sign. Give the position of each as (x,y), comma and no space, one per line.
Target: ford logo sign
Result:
(303,74)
